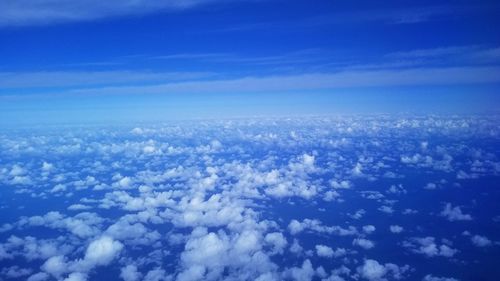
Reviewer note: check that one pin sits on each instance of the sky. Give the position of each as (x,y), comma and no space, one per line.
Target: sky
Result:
(89,61)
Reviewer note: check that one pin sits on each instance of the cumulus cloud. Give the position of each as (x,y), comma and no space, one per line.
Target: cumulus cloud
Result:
(82,225)
(76,276)
(368,229)
(427,246)
(194,208)
(296,227)
(55,265)
(430,277)
(324,251)
(396,228)
(303,273)
(480,241)
(363,243)
(130,273)
(102,251)
(454,213)
(372,270)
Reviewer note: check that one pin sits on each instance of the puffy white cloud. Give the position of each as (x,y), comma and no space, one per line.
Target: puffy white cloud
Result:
(32,248)
(15,272)
(396,228)
(295,227)
(341,185)
(430,186)
(40,276)
(304,273)
(82,225)
(315,225)
(47,167)
(78,207)
(386,209)
(277,240)
(324,251)
(102,251)
(428,247)
(76,276)
(363,243)
(480,241)
(295,247)
(207,254)
(55,265)
(454,213)
(368,229)
(374,271)
(220,207)
(130,273)
(430,277)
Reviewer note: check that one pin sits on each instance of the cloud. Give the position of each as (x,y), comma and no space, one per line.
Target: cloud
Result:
(76,276)
(324,251)
(26,12)
(396,228)
(372,270)
(369,228)
(296,227)
(82,225)
(363,243)
(54,79)
(102,251)
(430,277)
(454,213)
(480,241)
(303,273)
(55,265)
(130,273)
(428,247)
(40,276)
(304,82)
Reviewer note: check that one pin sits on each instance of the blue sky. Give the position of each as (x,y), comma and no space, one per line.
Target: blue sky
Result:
(88,61)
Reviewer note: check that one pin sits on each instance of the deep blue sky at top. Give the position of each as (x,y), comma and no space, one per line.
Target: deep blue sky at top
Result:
(91,61)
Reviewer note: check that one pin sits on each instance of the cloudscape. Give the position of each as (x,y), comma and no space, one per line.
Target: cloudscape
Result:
(176,140)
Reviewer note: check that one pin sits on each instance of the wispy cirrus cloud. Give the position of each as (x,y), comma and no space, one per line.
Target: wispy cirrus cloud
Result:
(137,82)
(36,12)
(92,78)
(308,82)
(392,16)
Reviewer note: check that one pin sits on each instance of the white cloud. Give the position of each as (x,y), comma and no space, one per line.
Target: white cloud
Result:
(82,225)
(102,251)
(341,185)
(76,276)
(277,240)
(324,251)
(363,243)
(428,247)
(27,12)
(369,228)
(430,186)
(372,270)
(303,273)
(130,273)
(40,276)
(312,81)
(454,213)
(296,227)
(396,228)
(55,265)
(480,241)
(430,277)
